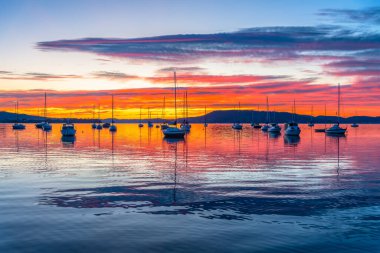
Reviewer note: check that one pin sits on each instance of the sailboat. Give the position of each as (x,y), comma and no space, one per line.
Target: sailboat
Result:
(140,124)
(164,125)
(292,128)
(17,125)
(99,125)
(68,129)
(256,124)
(173,131)
(321,130)
(274,128)
(265,127)
(205,117)
(237,125)
(150,124)
(186,125)
(336,129)
(311,123)
(93,117)
(355,124)
(113,127)
(46,126)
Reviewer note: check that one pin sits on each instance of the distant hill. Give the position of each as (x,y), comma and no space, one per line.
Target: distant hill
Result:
(228,116)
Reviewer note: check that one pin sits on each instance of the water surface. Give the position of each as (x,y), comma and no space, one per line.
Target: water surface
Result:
(219,190)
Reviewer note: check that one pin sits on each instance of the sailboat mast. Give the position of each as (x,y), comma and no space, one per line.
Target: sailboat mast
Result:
(325,116)
(45,113)
(98,113)
(93,113)
(175,97)
(267,111)
(140,114)
(205,115)
(163,111)
(294,110)
(112,110)
(338,102)
(16,109)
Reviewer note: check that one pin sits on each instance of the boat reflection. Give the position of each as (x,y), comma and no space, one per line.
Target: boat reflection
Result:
(68,141)
(291,140)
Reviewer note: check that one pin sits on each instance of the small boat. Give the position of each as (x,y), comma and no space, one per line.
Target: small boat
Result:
(164,126)
(150,123)
(157,126)
(336,129)
(237,125)
(185,125)
(205,117)
(39,125)
(311,123)
(46,126)
(68,129)
(17,125)
(254,124)
(140,124)
(174,131)
(113,127)
(93,118)
(354,125)
(292,127)
(106,125)
(99,125)
(321,130)
(274,128)
(265,127)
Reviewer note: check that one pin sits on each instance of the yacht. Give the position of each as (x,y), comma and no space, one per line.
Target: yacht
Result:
(140,124)
(93,118)
(237,125)
(321,130)
(336,129)
(17,125)
(113,127)
(68,129)
(354,125)
(274,128)
(99,125)
(292,127)
(173,131)
(46,126)
(265,127)
(205,117)
(311,123)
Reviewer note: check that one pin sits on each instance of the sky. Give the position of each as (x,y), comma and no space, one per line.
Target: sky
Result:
(224,52)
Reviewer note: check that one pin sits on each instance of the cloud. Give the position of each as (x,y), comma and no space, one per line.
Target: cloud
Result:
(263,43)
(368,15)
(34,76)
(114,75)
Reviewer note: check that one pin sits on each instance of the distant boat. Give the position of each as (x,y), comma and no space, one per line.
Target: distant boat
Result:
(237,125)
(164,125)
(113,127)
(17,125)
(311,123)
(321,130)
(174,131)
(336,129)
(265,127)
(150,124)
(93,118)
(99,125)
(355,124)
(274,128)
(106,125)
(292,127)
(140,124)
(205,117)
(256,124)
(186,125)
(46,126)
(68,129)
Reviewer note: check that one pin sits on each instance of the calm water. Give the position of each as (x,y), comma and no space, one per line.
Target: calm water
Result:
(217,191)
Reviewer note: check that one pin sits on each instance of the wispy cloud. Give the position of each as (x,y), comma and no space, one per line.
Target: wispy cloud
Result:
(368,15)
(34,76)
